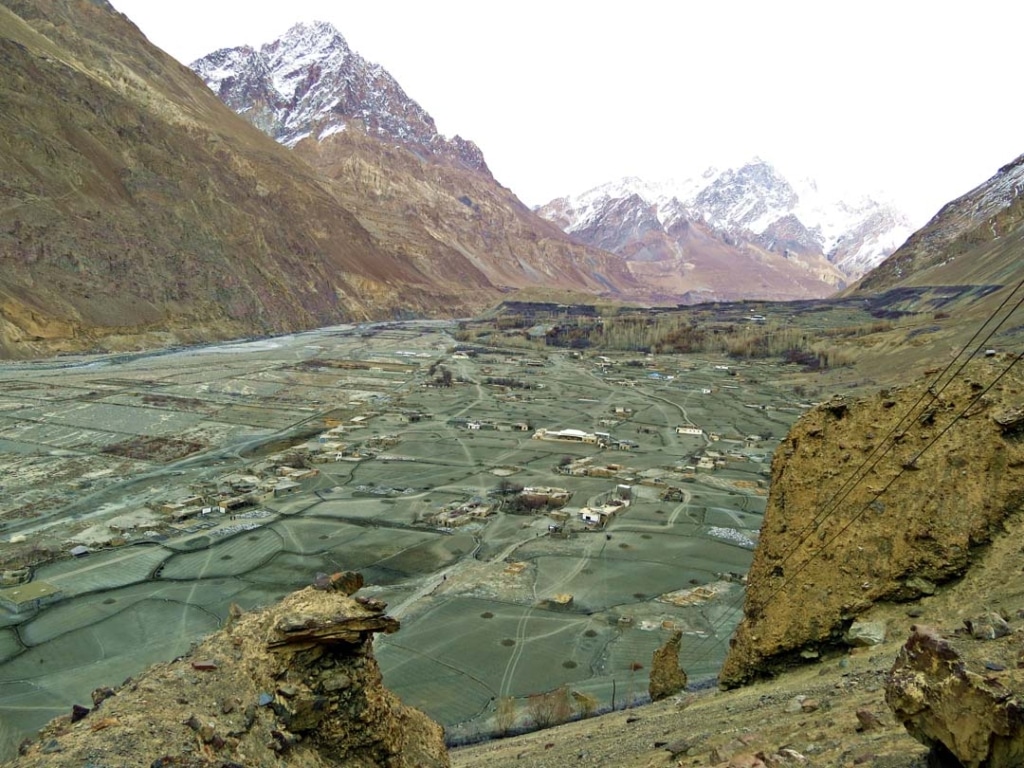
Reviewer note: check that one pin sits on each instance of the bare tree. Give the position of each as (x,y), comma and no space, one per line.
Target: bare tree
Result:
(550,708)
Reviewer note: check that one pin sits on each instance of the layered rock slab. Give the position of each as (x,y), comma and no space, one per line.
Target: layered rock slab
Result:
(296,684)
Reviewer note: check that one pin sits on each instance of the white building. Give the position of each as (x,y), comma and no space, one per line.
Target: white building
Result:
(565,435)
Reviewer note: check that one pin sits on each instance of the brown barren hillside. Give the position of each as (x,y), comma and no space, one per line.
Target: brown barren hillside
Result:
(456,224)
(134,202)
(136,209)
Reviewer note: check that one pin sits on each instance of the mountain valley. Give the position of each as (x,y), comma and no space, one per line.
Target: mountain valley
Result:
(282,367)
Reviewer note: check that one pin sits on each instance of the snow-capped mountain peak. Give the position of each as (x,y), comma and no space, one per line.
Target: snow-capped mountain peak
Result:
(755,202)
(303,47)
(309,82)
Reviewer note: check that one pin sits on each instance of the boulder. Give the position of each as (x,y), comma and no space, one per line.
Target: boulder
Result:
(864,633)
(945,692)
(835,542)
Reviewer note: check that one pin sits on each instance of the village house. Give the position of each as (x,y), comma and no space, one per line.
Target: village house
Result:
(295,474)
(690,430)
(236,503)
(599,516)
(177,511)
(552,497)
(328,452)
(285,487)
(455,515)
(566,435)
(29,597)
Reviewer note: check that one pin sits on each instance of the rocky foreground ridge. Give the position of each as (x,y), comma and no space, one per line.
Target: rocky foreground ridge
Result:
(296,685)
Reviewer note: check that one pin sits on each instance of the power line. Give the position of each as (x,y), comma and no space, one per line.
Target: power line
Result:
(906,467)
(790,578)
(884,446)
(857,478)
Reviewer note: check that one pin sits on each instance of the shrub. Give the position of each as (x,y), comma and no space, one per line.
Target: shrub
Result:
(551,708)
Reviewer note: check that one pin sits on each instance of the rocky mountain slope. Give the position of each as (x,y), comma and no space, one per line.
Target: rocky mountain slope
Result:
(431,197)
(974,239)
(954,277)
(750,218)
(136,205)
(295,685)
(140,211)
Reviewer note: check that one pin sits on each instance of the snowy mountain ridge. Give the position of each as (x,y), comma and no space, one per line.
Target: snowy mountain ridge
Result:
(309,82)
(751,202)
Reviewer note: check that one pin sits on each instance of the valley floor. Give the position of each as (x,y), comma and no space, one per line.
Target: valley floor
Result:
(120,456)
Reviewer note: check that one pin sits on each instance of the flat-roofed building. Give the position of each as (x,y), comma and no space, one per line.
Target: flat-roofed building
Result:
(29,597)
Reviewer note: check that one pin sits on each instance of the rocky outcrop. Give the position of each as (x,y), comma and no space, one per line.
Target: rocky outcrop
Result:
(667,677)
(962,695)
(296,684)
(877,499)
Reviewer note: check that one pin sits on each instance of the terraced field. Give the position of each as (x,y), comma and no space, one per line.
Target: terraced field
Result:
(497,607)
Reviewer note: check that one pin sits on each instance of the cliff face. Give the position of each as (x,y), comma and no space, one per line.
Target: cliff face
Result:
(294,685)
(847,526)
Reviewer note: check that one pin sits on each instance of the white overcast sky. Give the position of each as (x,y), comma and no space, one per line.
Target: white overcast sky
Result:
(916,100)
